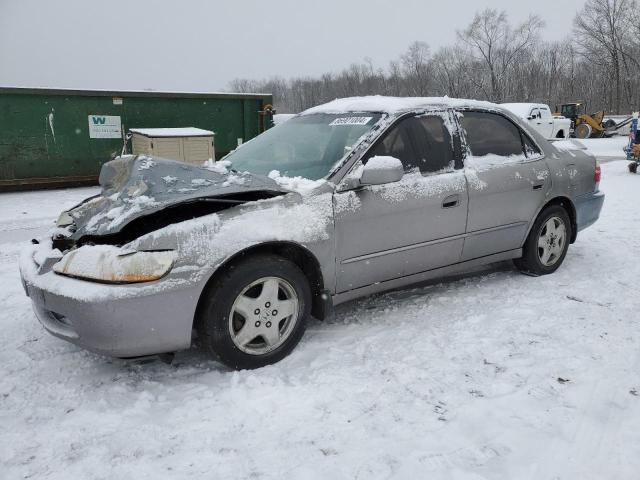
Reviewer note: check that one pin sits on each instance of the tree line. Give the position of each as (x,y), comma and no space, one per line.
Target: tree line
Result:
(494,59)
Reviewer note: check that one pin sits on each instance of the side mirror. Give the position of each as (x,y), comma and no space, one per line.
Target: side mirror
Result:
(381,170)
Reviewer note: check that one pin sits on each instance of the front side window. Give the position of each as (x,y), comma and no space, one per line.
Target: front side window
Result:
(530,148)
(421,143)
(307,146)
(436,145)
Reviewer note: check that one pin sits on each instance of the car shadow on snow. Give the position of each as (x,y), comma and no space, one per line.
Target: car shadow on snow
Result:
(352,311)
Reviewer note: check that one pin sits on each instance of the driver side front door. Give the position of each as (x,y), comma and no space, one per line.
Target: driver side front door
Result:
(385,232)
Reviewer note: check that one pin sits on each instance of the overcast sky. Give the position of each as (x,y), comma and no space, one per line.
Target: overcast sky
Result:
(201,45)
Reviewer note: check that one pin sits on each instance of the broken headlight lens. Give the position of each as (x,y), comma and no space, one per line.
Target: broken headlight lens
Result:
(103,263)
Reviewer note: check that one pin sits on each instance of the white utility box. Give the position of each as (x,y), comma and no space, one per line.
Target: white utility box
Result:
(190,144)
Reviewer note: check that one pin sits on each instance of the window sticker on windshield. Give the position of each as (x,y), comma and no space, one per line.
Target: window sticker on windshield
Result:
(351,121)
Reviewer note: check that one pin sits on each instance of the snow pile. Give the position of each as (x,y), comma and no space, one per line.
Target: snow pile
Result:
(146,163)
(221,166)
(296,184)
(201,182)
(233,179)
(384,162)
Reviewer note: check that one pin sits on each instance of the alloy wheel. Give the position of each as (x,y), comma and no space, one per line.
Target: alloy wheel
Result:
(551,241)
(263,315)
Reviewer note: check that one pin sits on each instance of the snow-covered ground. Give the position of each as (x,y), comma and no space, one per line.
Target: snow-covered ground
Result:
(606,148)
(494,375)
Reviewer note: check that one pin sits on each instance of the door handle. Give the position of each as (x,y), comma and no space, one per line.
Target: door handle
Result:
(538,186)
(451,201)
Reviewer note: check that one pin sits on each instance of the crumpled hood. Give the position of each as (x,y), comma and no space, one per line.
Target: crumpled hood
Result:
(137,186)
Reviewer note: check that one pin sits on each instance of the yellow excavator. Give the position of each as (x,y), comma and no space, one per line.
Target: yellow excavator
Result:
(585,125)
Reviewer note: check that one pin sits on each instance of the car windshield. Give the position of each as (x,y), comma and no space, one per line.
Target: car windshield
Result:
(307,146)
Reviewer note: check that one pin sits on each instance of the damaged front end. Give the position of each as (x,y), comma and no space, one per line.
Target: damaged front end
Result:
(142,194)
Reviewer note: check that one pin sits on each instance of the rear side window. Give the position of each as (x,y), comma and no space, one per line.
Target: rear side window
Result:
(418,142)
(491,134)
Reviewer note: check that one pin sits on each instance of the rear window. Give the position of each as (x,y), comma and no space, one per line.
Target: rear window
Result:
(491,134)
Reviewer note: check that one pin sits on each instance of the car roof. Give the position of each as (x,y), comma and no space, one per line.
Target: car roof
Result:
(394,105)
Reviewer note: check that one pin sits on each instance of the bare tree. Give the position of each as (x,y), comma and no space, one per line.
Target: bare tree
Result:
(417,68)
(602,32)
(493,60)
(497,45)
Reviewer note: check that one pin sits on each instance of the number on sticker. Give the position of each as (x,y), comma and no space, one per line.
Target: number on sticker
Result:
(351,121)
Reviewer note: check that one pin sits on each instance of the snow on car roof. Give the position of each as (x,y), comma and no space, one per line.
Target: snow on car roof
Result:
(378,103)
(172,132)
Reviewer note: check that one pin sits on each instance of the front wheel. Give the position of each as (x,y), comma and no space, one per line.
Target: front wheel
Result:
(583,130)
(255,313)
(547,243)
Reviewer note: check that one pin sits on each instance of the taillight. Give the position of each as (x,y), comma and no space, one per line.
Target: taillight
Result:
(597,174)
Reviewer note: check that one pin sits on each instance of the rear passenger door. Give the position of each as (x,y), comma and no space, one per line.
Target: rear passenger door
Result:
(508,181)
(384,232)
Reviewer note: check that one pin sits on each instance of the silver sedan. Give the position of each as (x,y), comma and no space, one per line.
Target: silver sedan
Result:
(344,200)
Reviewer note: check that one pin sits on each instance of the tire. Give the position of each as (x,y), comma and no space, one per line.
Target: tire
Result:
(583,130)
(243,296)
(544,251)
(633,167)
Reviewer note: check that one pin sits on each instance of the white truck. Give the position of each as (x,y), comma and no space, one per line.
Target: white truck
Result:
(539,117)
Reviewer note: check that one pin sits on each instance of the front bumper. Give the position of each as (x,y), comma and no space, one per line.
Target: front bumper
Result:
(114,320)
(588,207)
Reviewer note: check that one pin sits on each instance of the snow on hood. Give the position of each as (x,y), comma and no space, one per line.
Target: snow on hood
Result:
(135,186)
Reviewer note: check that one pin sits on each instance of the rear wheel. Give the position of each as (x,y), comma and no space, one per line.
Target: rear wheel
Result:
(547,243)
(255,313)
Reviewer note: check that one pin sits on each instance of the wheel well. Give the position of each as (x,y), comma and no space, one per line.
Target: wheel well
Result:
(299,255)
(567,204)
(560,134)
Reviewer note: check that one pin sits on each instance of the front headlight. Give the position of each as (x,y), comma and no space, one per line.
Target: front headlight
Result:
(104,263)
